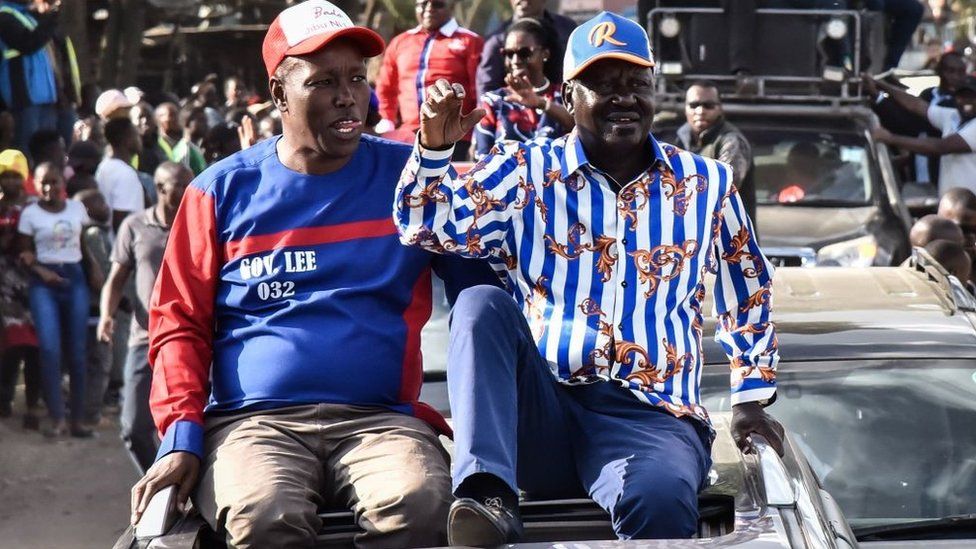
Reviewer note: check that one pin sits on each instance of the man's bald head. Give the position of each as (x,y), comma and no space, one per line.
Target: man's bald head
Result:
(952,256)
(934,227)
(958,204)
(170,172)
(171,180)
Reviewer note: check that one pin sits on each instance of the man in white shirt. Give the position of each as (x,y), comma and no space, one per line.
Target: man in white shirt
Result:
(117,180)
(957,166)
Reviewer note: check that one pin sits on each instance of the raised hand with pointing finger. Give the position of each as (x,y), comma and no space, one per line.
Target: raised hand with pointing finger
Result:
(441,121)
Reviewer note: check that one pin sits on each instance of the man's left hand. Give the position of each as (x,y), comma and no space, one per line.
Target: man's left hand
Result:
(750,418)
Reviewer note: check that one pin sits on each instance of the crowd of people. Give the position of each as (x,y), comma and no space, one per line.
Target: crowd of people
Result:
(118,158)
(90,184)
(77,218)
(934,134)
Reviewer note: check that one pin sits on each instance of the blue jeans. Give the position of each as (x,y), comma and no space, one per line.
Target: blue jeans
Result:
(137,429)
(66,119)
(56,311)
(513,419)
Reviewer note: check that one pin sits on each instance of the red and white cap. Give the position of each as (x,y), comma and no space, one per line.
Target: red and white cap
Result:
(310,25)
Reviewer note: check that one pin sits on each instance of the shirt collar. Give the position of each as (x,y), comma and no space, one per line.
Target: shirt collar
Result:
(574,157)
(448,29)
(150,217)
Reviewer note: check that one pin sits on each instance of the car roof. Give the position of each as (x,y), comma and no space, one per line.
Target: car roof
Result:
(800,118)
(864,313)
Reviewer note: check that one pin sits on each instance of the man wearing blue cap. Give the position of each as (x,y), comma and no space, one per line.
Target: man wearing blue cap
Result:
(587,381)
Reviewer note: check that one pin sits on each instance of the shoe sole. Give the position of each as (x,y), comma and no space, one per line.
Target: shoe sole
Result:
(467,526)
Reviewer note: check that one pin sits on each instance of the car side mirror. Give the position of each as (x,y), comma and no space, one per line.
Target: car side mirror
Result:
(776,480)
(160,514)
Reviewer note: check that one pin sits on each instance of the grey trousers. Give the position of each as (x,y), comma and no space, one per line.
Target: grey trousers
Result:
(99,367)
(136,425)
(267,473)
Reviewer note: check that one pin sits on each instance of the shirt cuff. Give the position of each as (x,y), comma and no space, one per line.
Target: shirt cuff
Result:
(433,162)
(753,390)
(182,436)
(435,156)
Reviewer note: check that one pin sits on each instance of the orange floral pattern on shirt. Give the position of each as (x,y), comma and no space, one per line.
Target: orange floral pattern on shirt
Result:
(662,263)
(738,252)
(680,192)
(430,194)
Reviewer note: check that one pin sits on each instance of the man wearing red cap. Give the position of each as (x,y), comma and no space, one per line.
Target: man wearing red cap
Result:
(284,287)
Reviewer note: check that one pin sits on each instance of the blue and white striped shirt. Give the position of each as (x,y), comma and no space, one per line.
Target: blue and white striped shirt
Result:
(611,282)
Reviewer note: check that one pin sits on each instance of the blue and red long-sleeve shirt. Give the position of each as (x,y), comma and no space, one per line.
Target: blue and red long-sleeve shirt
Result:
(279,288)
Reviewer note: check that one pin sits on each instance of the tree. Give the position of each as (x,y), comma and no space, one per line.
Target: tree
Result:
(121,43)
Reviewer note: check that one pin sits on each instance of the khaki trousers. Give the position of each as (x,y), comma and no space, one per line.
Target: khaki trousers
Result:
(267,473)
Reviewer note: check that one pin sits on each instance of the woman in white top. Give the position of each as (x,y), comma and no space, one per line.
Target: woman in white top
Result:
(50,240)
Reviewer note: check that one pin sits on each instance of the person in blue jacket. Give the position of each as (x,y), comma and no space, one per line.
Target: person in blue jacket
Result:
(27,82)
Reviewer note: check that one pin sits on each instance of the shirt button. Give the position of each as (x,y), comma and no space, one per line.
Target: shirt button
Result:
(623,284)
(624,242)
(620,326)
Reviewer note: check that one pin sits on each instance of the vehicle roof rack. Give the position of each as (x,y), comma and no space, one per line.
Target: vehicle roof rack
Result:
(698,55)
(957,294)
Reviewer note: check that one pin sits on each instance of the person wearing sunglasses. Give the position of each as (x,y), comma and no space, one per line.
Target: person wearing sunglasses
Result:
(709,134)
(491,71)
(530,105)
(438,47)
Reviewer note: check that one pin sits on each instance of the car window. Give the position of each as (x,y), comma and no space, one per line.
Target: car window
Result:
(896,441)
(810,168)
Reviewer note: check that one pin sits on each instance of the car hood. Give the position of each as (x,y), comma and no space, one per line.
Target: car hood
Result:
(859,312)
(810,226)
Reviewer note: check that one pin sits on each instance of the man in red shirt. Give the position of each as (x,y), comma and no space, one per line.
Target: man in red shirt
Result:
(437,48)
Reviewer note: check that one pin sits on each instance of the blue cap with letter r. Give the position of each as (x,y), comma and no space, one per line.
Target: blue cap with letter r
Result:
(606,36)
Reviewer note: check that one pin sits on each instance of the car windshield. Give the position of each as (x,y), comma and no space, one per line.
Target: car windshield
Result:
(796,168)
(892,441)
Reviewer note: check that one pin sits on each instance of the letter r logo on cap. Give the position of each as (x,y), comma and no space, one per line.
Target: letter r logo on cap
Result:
(603,32)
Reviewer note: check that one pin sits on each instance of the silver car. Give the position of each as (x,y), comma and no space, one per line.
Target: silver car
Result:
(877,387)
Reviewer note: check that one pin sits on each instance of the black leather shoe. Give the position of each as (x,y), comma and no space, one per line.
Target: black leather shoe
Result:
(484,524)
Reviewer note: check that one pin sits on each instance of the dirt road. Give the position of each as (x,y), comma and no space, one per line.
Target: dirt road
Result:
(66,493)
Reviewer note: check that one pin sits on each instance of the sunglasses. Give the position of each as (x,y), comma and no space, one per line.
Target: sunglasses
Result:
(521,53)
(434,4)
(707,105)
